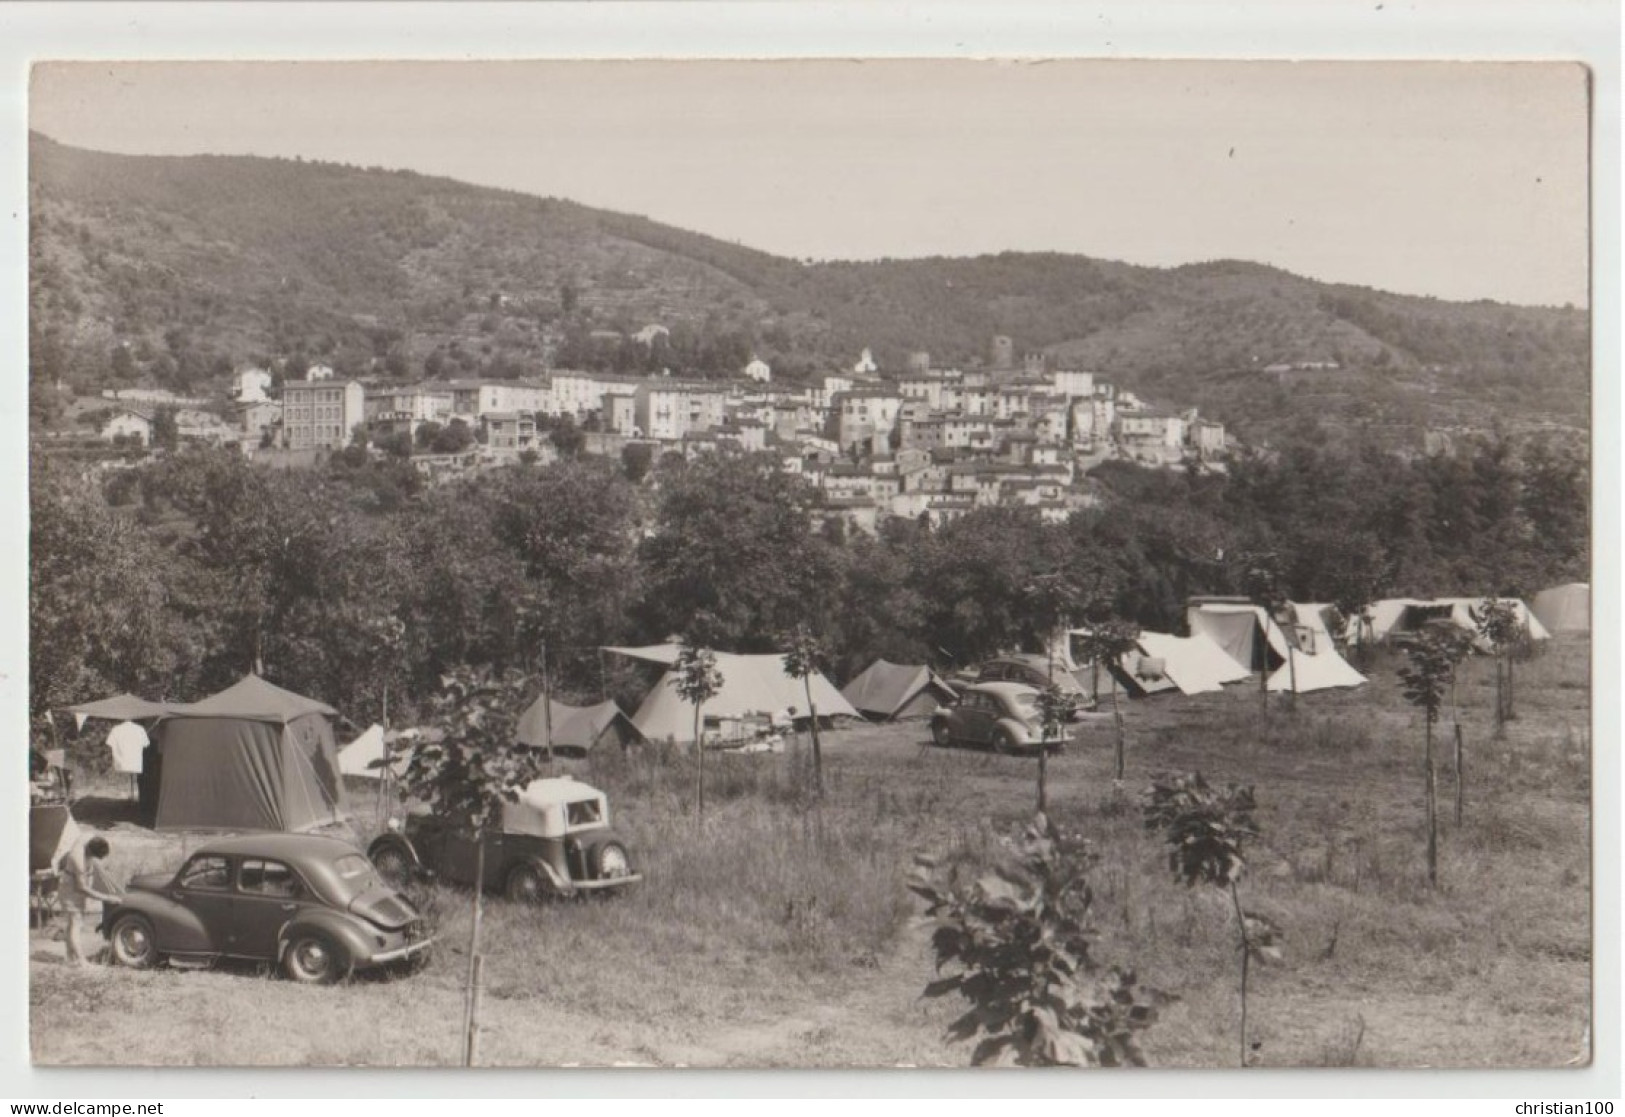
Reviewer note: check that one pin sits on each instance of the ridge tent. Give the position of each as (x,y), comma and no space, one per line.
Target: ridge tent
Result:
(1316,624)
(1564,608)
(1190,665)
(892,691)
(577,729)
(365,755)
(1396,616)
(1235,628)
(751,684)
(1321,669)
(252,757)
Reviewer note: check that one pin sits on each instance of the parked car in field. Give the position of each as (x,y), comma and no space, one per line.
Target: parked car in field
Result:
(555,840)
(1034,671)
(1002,716)
(314,905)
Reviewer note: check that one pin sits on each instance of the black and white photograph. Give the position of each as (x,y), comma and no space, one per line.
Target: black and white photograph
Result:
(822,563)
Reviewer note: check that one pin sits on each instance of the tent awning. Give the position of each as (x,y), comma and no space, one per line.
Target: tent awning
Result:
(120,707)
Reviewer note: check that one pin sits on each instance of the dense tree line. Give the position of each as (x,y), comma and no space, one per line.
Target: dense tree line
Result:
(173,579)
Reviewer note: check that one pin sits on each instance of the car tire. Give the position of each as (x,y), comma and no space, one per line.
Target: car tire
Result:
(940,735)
(131,942)
(394,865)
(610,861)
(1003,743)
(526,884)
(312,959)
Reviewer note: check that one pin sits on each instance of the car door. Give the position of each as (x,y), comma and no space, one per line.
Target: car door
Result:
(976,722)
(202,887)
(460,858)
(267,896)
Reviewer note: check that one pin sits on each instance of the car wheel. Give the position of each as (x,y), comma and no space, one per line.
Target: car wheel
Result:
(132,942)
(314,960)
(394,866)
(1004,742)
(940,734)
(610,861)
(525,885)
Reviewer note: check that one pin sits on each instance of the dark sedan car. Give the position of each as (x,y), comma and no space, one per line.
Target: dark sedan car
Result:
(554,840)
(1001,716)
(315,905)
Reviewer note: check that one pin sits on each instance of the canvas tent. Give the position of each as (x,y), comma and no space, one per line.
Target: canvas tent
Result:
(577,729)
(120,707)
(1236,629)
(253,757)
(1399,615)
(1314,664)
(890,691)
(1564,609)
(752,684)
(1188,664)
(365,755)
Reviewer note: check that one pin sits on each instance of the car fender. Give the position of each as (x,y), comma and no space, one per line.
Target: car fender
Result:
(175,928)
(394,841)
(562,884)
(1018,731)
(340,928)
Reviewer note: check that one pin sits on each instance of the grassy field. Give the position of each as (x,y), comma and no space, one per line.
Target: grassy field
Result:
(779,933)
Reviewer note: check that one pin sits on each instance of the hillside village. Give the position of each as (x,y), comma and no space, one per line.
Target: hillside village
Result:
(925,442)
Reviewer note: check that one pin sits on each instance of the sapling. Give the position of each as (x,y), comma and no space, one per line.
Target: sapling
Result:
(1498,622)
(1055,708)
(1207,828)
(1105,645)
(697,680)
(1021,950)
(1433,656)
(803,660)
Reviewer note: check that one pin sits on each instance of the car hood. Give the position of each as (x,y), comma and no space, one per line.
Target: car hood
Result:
(149,882)
(385,907)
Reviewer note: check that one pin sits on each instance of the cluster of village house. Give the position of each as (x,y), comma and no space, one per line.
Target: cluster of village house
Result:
(927,442)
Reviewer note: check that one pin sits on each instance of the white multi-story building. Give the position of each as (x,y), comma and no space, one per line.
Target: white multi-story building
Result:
(320,414)
(672,409)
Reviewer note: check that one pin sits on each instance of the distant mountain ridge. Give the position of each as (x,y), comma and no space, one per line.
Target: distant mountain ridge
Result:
(175,269)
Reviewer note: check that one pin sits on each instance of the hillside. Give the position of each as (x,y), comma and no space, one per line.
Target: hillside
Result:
(173,270)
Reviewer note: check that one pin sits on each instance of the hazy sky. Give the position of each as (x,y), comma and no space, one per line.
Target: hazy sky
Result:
(1457,180)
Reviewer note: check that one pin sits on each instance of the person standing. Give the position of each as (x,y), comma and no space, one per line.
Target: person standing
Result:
(81,882)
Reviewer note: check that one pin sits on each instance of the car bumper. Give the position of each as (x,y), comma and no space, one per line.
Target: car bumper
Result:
(383,958)
(603,885)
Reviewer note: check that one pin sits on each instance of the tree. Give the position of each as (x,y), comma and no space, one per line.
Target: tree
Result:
(697,681)
(566,437)
(802,660)
(1206,828)
(1500,624)
(1056,708)
(1021,948)
(466,776)
(165,431)
(453,438)
(636,460)
(1432,656)
(1105,644)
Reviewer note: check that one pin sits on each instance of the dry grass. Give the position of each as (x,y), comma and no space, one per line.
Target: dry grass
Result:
(778,932)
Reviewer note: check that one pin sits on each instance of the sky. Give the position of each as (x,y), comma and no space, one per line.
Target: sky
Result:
(1457,180)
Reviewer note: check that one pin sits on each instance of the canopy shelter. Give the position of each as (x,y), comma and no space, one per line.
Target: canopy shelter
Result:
(253,757)
(1402,615)
(1564,609)
(120,707)
(893,691)
(1188,664)
(577,730)
(751,685)
(1245,633)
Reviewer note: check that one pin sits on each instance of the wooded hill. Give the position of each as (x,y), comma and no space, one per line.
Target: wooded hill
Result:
(171,270)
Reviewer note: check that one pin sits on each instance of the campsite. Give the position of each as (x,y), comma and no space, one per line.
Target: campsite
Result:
(777,930)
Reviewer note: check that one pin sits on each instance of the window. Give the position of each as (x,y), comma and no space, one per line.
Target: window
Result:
(267,878)
(584,813)
(212,873)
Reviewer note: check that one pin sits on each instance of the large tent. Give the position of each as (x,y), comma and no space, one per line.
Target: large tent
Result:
(751,685)
(1188,664)
(366,755)
(577,729)
(889,691)
(1564,609)
(1396,616)
(253,757)
(1236,628)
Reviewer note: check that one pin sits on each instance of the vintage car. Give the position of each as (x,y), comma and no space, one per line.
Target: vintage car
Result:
(1001,716)
(1034,671)
(554,841)
(313,904)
